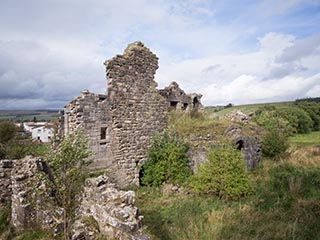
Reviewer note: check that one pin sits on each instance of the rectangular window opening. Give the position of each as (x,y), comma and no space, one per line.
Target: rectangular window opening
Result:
(103,133)
(173,104)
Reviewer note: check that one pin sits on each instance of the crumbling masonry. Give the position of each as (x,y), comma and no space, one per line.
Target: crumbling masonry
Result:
(121,123)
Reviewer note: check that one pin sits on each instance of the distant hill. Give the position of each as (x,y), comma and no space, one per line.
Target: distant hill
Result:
(219,111)
(28,115)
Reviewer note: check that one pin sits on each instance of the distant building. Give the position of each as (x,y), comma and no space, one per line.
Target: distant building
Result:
(40,131)
(42,134)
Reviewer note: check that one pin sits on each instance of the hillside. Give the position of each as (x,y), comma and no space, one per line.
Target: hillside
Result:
(28,115)
(218,111)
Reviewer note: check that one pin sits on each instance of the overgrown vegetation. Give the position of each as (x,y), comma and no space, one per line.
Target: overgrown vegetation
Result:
(284,195)
(277,200)
(284,204)
(224,175)
(275,144)
(313,109)
(167,161)
(290,119)
(67,161)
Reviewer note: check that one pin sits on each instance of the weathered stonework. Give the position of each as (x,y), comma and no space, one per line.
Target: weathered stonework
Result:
(110,209)
(23,213)
(121,123)
(238,116)
(5,182)
(27,208)
(243,136)
(138,111)
(250,146)
(179,100)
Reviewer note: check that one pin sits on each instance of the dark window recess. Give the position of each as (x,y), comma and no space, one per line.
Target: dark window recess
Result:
(102,97)
(240,144)
(103,143)
(103,133)
(185,105)
(195,102)
(173,104)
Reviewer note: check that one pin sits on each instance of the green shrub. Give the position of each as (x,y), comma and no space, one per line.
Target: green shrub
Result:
(289,119)
(8,131)
(298,119)
(167,161)
(268,117)
(274,144)
(223,175)
(313,109)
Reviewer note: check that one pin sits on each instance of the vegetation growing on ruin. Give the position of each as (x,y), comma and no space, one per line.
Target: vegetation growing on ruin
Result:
(284,200)
(67,161)
(284,195)
(167,161)
(284,205)
(198,124)
(224,175)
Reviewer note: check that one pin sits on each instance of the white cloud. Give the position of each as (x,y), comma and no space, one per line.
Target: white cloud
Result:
(314,91)
(50,50)
(257,76)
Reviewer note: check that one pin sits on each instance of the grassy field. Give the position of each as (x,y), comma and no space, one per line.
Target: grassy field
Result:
(247,109)
(28,115)
(284,204)
(312,138)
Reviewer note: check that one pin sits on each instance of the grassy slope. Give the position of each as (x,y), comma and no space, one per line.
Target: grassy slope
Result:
(249,108)
(285,205)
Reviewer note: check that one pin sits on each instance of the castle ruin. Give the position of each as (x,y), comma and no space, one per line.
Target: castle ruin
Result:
(121,123)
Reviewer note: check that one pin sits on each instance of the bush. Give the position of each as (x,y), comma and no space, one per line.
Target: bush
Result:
(223,175)
(8,131)
(274,144)
(167,161)
(268,117)
(289,119)
(298,119)
(313,109)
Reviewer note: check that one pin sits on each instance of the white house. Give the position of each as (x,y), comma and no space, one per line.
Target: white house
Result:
(42,134)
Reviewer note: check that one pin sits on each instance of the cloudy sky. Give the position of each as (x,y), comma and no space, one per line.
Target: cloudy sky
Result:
(234,51)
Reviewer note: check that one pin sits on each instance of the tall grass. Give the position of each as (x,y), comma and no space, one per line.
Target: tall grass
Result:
(285,205)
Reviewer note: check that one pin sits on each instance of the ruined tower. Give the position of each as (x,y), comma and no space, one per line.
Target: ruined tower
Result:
(121,123)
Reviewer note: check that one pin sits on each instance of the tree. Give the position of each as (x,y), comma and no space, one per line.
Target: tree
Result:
(66,163)
(8,132)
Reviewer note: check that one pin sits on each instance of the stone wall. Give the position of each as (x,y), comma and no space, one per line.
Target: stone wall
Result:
(245,137)
(179,100)
(90,113)
(138,111)
(5,182)
(106,211)
(23,213)
(121,123)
